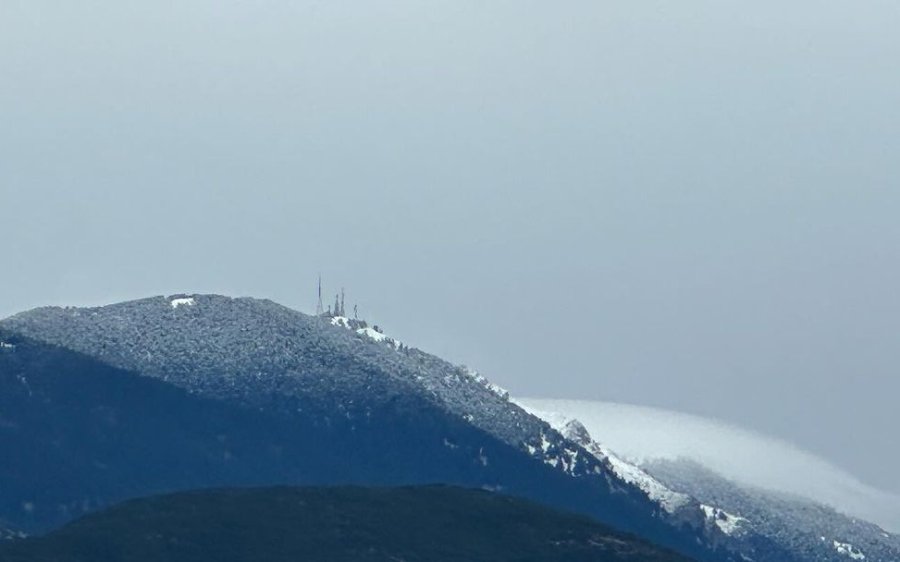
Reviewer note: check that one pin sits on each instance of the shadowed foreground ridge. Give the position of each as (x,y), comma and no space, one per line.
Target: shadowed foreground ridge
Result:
(434,523)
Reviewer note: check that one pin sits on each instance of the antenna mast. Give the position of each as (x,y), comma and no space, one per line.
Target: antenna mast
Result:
(319,308)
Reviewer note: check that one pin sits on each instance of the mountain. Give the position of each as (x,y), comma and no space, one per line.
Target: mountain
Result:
(806,529)
(334,524)
(173,393)
(818,531)
(640,433)
(85,434)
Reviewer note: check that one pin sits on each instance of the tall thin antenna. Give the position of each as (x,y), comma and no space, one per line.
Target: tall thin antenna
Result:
(319,308)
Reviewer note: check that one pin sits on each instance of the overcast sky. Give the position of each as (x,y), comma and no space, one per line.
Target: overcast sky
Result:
(690,205)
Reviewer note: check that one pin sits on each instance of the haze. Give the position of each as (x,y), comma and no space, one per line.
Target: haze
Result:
(684,205)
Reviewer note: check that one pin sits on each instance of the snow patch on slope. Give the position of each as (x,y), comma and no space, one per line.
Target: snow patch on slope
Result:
(182,301)
(477,377)
(372,334)
(365,331)
(670,500)
(848,549)
(377,336)
(726,522)
(340,321)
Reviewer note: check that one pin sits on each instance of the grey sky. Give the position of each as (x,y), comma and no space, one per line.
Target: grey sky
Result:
(686,205)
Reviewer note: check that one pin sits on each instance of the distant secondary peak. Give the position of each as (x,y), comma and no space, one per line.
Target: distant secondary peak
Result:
(575,431)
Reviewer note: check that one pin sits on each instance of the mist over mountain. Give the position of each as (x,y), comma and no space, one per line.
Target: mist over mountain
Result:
(730,472)
(806,525)
(643,434)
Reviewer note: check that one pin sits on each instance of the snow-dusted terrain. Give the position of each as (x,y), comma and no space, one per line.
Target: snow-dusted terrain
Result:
(643,434)
(746,481)
(410,414)
(669,500)
(363,329)
(350,379)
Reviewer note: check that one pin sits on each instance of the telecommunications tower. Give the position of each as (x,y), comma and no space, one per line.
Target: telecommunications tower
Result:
(320,310)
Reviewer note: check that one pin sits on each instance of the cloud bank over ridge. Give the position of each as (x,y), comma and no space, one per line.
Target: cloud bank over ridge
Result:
(641,434)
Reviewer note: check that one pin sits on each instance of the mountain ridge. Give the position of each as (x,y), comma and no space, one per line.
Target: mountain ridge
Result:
(284,365)
(433,523)
(799,524)
(366,394)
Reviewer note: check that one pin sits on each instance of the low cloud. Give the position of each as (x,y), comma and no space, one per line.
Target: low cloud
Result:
(642,434)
